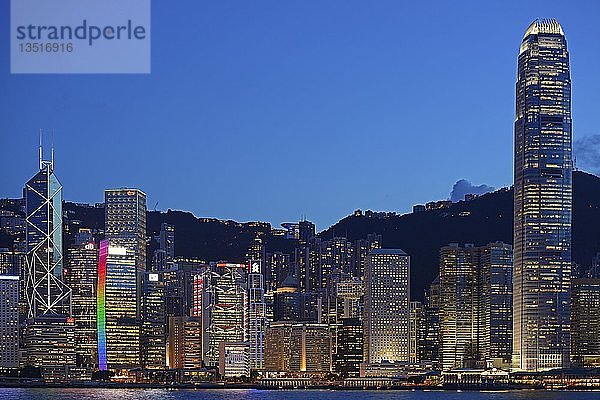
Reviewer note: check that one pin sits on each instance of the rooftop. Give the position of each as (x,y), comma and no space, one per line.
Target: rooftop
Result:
(388,252)
(544,25)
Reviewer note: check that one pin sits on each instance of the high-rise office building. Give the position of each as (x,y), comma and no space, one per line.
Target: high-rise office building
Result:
(278,267)
(192,343)
(117,308)
(310,348)
(348,295)
(11,262)
(257,314)
(542,200)
(82,277)
(416,331)
(349,348)
(220,298)
(278,342)
(9,321)
(475,305)
(297,347)
(362,247)
(153,329)
(125,224)
(497,283)
(386,308)
(585,321)
(175,342)
(430,347)
(461,317)
(45,289)
(167,241)
(234,359)
(50,344)
(49,330)
(306,230)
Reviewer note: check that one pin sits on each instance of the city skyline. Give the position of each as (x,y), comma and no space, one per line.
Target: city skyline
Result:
(311,118)
(466,291)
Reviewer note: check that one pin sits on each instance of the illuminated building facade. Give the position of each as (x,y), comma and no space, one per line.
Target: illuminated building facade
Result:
(585,321)
(234,359)
(175,342)
(192,343)
(167,241)
(50,343)
(497,268)
(118,322)
(310,348)
(82,277)
(257,314)
(348,296)
(416,331)
(475,305)
(125,226)
(11,262)
(349,353)
(278,342)
(9,321)
(220,298)
(45,290)
(49,333)
(542,200)
(430,346)
(153,329)
(461,314)
(386,308)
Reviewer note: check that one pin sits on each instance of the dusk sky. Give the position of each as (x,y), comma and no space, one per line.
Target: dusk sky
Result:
(271,111)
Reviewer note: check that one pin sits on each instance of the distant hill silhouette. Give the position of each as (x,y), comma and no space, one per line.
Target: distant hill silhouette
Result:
(485,219)
(480,221)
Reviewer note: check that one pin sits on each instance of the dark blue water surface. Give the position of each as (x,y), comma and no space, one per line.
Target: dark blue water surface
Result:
(156,394)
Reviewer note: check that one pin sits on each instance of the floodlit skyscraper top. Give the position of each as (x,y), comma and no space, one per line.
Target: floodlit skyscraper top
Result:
(542,199)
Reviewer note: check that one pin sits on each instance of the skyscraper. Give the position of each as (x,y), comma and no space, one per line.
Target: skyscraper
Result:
(9,321)
(257,311)
(496,265)
(82,277)
(11,262)
(125,218)
(386,310)
(49,334)
(542,200)
(167,240)
(349,348)
(475,305)
(153,329)
(461,322)
(118,309)
(220,298)
(585,321)
(45,290)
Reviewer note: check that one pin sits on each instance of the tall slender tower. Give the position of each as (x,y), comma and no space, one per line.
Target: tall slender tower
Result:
(543,200)
(256,313)
(45,290)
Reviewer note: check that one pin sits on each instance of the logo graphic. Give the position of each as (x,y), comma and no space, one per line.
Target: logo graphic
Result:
(80,36)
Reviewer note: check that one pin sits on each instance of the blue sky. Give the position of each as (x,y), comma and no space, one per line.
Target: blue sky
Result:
(272,110)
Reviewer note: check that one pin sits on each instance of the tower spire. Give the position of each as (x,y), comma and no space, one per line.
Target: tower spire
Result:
(41,156)
(46,163)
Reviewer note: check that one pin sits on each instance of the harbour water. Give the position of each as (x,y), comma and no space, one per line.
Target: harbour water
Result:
(181,394)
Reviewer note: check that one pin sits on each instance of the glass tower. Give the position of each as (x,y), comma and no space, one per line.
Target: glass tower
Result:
(542,200)
(45,290)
